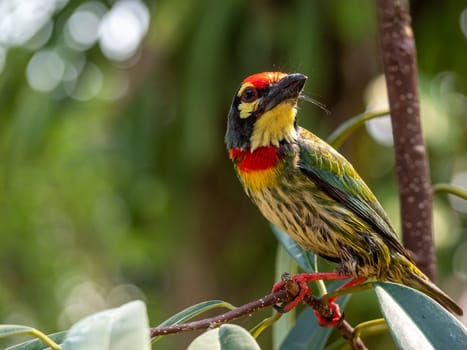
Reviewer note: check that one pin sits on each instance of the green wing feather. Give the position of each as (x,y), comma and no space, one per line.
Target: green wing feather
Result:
(335,176)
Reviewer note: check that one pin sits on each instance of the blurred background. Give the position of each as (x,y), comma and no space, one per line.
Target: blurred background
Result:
(114,179)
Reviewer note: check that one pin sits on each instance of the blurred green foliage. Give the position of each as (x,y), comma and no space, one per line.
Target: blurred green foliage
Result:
(115,184)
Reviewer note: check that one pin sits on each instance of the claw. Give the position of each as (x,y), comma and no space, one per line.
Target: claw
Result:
(295,285)
(333,319)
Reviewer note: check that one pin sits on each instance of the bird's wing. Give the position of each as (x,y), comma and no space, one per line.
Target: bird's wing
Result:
(335,176)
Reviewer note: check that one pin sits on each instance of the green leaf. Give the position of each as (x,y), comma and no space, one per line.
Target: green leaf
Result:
(192,312)
(345,129)
(7,330)
(195,310)
(43,341)
(125,327)
(209,340)
(37,344)
(307,333)
(233,337)
(226,337)
(304,258)
(416,321)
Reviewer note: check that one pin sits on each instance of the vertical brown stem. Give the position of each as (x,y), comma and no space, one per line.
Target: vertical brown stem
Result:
(400,69)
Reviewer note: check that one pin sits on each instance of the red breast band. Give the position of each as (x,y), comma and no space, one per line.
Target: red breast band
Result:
(260,159)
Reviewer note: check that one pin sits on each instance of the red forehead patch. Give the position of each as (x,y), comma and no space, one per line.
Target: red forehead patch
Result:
(261,80)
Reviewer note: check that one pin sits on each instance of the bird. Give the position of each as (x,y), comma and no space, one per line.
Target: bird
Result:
(306,188)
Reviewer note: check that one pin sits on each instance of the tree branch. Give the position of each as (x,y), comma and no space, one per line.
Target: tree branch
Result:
(288,293)
(415,192)
(278,297)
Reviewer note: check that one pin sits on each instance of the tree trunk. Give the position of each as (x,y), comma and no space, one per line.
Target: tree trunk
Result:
(415,190)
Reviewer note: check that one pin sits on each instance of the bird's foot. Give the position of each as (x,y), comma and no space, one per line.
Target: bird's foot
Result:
(327,313)
(296,286)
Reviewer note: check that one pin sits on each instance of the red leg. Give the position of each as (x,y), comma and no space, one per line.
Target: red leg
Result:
(352,283)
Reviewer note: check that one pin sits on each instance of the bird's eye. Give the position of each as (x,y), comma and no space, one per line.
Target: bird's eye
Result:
(249,95)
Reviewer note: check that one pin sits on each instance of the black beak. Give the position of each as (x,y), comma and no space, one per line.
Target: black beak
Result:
(289,87)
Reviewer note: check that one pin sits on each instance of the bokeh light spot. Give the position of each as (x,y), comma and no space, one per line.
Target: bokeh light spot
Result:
(380,129)
(82,28)
(41,37)
(45,70)
(21,19)
(463,22)
(122,29)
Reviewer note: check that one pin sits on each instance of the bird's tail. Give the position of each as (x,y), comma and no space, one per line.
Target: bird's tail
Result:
(411,276)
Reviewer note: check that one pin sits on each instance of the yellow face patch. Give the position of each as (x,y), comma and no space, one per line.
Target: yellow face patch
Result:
(246,108)
(275,125)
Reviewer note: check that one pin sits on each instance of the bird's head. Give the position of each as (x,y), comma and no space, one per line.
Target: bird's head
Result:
(263,110)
